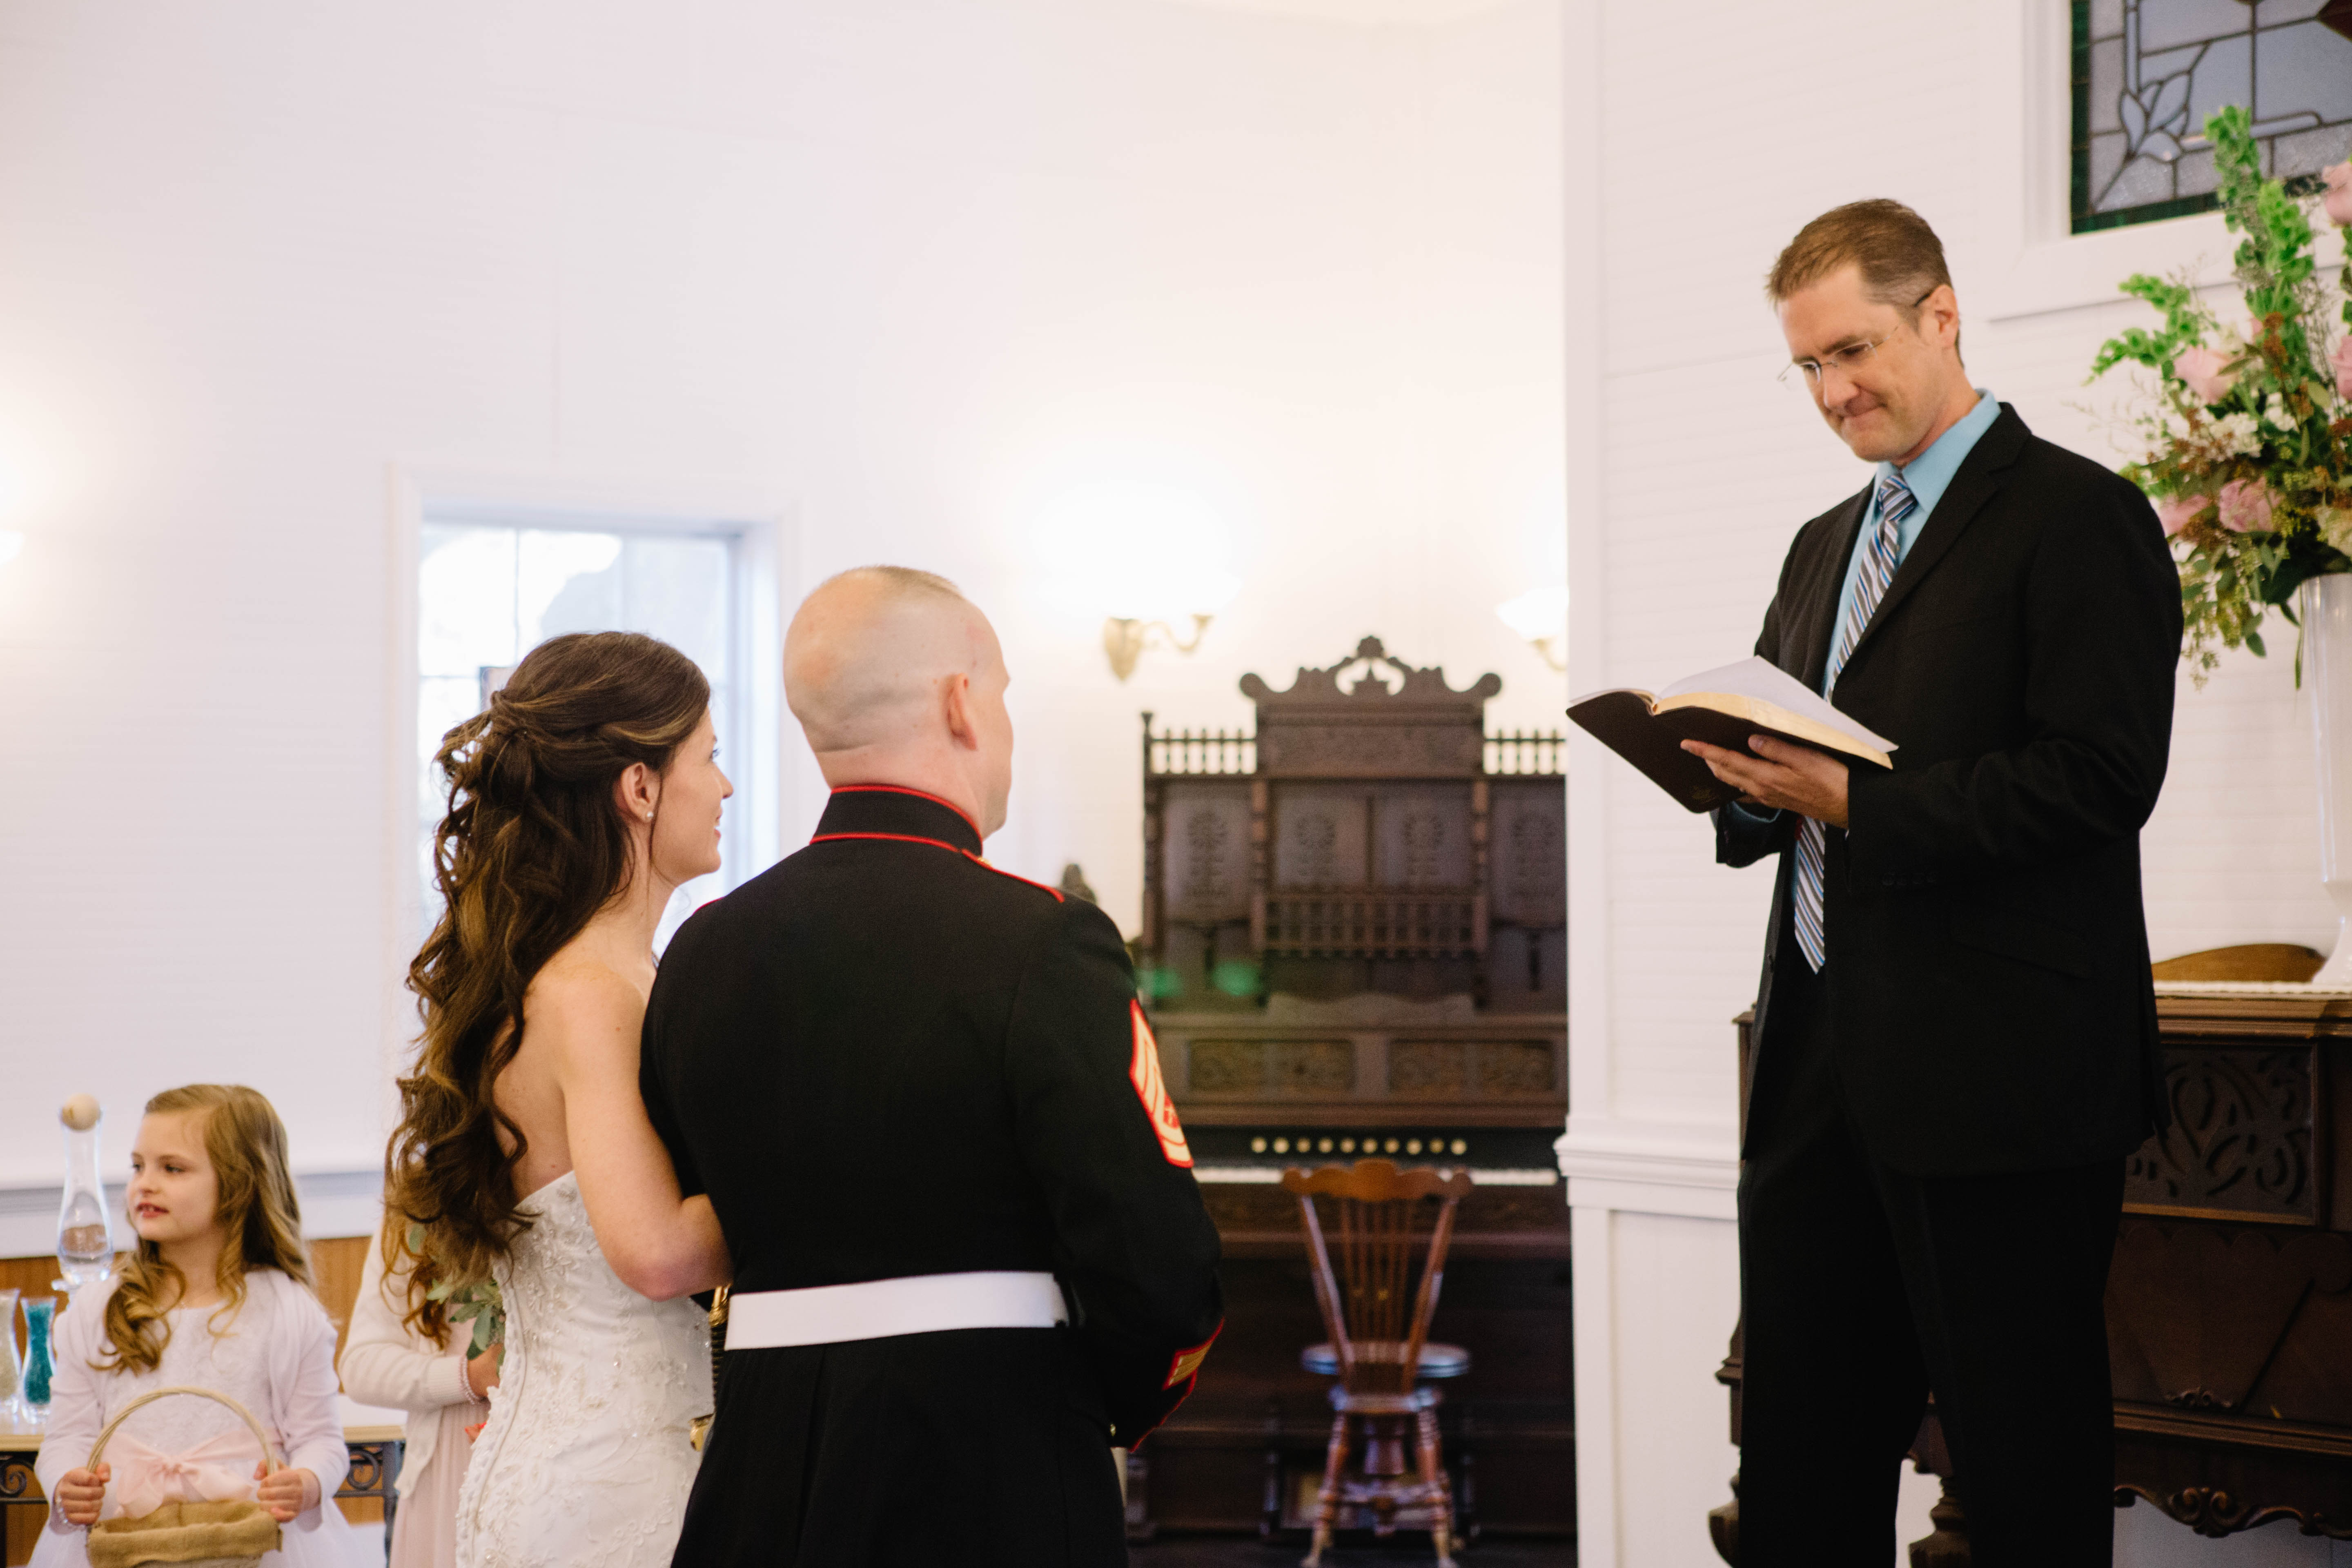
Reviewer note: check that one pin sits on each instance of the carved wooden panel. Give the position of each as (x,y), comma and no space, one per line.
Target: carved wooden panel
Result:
(1382,925)
(1319,836)
(1204,840)
(1294,1069)
(1313,1068)
(1435,1069)
(2241,1139)
(1421,836)
(1464,1069)
(1516,1067)
(2232,1296)
(1370,716)
(1363,750)
(1227,1066)
(1527,851)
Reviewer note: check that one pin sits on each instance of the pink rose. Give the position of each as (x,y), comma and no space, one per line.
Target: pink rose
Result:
(2340,361)
(2245,506)
(2205,371)
(2337,201)
(2176,512)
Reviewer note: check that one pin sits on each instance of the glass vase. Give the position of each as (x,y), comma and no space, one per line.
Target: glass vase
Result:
(12,1369)
(40,1354)
(85,1248)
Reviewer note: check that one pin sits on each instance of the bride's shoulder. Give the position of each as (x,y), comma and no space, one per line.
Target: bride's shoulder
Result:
(577,1001)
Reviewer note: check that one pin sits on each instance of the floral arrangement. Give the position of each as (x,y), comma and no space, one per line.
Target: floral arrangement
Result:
(2249,440)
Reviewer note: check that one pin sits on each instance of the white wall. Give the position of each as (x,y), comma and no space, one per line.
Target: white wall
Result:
(1697,146)
(895,273)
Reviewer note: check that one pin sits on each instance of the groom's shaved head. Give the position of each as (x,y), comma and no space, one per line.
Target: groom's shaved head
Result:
(868,652)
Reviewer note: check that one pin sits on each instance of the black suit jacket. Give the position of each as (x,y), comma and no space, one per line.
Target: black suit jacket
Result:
(882,1057)
(1988,984)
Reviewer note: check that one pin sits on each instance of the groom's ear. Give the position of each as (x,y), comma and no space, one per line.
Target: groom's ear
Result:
(955,703)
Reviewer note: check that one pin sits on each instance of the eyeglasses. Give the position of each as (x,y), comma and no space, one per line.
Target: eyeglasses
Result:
(1845,360)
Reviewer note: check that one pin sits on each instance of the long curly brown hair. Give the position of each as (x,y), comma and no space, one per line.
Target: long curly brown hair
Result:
(533,845)
(254,1202)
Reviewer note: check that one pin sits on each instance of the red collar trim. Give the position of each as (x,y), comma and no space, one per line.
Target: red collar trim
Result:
(936,844)
(919,794)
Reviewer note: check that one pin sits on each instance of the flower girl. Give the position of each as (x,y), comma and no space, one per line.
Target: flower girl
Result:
(215,1296)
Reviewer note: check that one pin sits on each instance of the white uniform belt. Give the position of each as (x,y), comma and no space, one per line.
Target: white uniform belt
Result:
(879,1308)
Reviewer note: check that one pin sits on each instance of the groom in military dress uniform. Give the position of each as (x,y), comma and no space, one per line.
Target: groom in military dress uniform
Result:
(970,1253)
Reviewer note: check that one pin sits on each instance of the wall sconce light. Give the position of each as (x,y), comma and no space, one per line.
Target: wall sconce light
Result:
(1540,615)
(1125,639)
(1153,561)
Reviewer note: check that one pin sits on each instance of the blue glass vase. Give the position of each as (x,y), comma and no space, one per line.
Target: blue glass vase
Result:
(40,1352)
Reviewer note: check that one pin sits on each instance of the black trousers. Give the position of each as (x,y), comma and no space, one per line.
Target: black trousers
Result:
(976,1448)
(1863,1287)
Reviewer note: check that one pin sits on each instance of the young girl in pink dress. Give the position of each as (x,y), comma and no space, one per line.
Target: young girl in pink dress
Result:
(216,1296)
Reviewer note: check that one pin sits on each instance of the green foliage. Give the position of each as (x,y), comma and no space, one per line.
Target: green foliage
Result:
(2271,454)
(2185,324)
(479,1304)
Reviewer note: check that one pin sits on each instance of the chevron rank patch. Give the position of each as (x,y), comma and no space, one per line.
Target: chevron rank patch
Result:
(1143,1071)
(1187,1364)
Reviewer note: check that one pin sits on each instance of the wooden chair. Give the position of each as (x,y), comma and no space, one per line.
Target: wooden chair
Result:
(1378,1350)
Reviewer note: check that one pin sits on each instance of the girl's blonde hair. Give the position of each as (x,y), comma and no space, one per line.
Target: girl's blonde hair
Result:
(255,1207)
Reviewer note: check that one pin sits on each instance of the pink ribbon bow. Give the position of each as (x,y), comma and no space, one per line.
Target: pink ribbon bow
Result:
(215,1471)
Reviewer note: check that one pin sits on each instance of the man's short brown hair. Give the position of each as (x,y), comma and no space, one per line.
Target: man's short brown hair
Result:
(1900,257)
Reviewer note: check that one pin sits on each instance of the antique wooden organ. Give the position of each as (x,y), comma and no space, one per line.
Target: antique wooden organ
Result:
(1354,944)
(2229,1300)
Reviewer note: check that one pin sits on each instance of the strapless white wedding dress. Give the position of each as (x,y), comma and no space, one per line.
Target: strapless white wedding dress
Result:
(587,1461)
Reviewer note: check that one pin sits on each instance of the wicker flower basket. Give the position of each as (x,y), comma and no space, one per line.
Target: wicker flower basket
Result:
(232,1534)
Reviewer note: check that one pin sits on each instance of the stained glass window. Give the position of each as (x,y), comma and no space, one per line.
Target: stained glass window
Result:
(2148,72)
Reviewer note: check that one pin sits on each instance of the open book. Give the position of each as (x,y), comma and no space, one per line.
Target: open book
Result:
(1723,708)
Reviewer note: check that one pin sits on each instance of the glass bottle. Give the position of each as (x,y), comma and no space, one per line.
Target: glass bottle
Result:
(85,1249)
(12,1370)
(40,1354)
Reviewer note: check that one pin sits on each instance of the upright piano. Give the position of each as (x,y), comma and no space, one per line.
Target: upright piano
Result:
(1354,944)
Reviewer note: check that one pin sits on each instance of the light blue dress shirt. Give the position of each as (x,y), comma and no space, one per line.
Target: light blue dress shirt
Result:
(1929,476)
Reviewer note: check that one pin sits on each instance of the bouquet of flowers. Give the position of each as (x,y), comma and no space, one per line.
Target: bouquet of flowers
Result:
(2249,441)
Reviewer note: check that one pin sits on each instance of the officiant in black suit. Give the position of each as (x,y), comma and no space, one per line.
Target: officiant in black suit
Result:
(1955,1027)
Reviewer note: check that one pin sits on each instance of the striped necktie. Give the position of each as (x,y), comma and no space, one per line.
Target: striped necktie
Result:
(1895,503)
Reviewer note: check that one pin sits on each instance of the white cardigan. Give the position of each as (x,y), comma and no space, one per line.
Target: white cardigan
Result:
(386,1362)
(297,1407)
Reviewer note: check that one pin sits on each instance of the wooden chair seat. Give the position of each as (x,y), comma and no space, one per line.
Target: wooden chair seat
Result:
(1437,1361)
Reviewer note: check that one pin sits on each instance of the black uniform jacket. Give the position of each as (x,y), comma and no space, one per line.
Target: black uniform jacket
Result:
(1990,998)
(880,1059)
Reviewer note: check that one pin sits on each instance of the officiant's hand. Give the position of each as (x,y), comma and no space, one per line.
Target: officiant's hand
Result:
(1781,777)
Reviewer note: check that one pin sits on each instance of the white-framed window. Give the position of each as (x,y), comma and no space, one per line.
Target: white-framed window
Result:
(494,583)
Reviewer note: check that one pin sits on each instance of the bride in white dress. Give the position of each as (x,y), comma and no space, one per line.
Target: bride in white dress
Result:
(578,804)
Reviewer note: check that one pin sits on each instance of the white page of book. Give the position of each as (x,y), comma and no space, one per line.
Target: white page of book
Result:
(1760,678)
